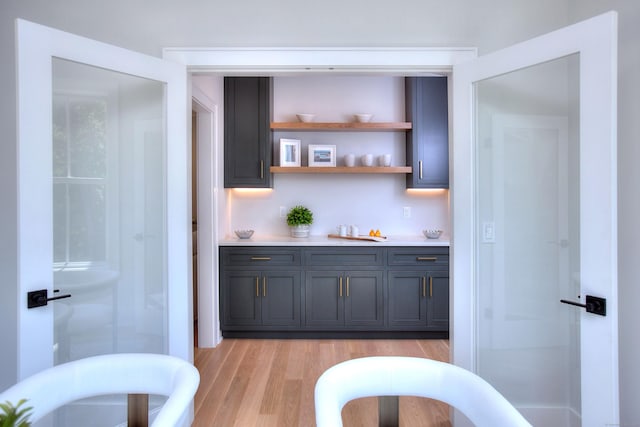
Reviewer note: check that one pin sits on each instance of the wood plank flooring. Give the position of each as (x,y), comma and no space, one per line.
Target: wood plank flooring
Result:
(250,382)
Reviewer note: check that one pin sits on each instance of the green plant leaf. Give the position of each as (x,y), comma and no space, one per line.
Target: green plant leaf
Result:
(15,416)
(299,215)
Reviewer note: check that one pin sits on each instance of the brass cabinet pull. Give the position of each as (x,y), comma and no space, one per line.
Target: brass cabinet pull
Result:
(260,258)
(424,287)
(347,285)
(264,286)
(340,286)
(257,286)
(430,286)
(420,167)
(261,169)
(426,258)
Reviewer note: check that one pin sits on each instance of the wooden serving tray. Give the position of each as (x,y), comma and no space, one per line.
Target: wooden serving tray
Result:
(361,237)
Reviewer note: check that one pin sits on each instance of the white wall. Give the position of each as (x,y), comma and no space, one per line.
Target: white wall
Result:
(489,25)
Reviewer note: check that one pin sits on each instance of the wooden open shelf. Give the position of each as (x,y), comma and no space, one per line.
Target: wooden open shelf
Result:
(352,126)
(342,169)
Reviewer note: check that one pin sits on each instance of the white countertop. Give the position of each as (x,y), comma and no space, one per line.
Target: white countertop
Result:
(281,240)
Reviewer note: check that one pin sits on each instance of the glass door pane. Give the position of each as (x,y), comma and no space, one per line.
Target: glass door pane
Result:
(527,218)
(109,208)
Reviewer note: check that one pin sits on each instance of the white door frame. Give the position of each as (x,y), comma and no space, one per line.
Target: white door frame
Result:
(209,334)
(294,61)
(593,39)
(37,45)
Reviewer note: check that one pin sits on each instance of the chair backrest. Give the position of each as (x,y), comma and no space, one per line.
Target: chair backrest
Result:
(111,374)
(411,376)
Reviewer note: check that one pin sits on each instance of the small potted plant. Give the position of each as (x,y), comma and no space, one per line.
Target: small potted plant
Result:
(299,219)
(14,416)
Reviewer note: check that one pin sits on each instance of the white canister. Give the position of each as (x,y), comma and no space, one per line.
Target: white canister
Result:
(354,230)
(350,160)
(342,230)
(367,160)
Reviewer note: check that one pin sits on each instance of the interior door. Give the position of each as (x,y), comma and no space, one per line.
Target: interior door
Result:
(534,219)
(103,201)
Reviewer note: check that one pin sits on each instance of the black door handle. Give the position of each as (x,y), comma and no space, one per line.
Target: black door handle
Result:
(595,305)
(40,298)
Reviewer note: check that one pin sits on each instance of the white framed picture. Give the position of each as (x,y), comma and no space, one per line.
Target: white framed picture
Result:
(289,152)
(322,155)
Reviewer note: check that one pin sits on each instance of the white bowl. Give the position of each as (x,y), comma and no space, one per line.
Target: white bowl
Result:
(432,234)
(244,234)
(363,118)
(305,118)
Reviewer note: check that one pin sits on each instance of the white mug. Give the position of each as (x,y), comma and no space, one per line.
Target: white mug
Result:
(385,160)
(354,231)
(342,230)
(350,160)
(367,159)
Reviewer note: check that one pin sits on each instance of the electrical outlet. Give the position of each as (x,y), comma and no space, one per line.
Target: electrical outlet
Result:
(283,211)
(406,212)
(488,232)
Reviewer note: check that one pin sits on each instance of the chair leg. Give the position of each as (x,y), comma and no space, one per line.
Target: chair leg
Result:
(388,411)
(138,410)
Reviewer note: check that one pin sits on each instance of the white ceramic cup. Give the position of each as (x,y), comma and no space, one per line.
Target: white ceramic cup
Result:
(385,160)
(367,160)
(350,160)
(354,231)
(342,230)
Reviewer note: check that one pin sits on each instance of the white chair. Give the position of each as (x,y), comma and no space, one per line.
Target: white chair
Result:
(411,376)
(132,374)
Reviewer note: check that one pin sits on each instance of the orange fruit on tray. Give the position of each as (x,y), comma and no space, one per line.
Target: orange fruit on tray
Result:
(372,233)
(377,234)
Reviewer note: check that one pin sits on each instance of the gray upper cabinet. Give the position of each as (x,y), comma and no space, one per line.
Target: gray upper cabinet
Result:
(247,117)
(428,140)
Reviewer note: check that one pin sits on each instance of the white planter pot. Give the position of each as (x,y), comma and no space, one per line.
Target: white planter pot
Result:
(299,230)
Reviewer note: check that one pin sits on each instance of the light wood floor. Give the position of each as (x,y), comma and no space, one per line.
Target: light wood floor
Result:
(246,382)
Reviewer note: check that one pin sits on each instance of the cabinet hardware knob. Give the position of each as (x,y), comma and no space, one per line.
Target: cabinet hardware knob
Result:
(340,286)
(426,258)
(347,285)
(264,286)
(430,286)
(424,287)
(257,286)
(260,258)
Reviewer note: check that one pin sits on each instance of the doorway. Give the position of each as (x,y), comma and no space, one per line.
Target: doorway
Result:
(204,218)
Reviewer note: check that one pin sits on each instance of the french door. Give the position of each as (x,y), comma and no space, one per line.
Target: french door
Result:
(534,218)
(103,201)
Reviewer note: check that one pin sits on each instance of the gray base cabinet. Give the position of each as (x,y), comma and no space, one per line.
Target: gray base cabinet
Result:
(344,299)
(334,290)
(263,298)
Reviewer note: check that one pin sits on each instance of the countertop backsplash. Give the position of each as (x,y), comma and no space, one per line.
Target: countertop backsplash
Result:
(368,201)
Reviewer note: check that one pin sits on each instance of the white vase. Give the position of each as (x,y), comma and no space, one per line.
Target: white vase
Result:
(299,230)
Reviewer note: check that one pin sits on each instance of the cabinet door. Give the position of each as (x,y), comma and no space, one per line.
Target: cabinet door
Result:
(407,300)
(438,302)
(324,302)
(428,141)
(247,114)
(240,298)
(363,302)
(280,293)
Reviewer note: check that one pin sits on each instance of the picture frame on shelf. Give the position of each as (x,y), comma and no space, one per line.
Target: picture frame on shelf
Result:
(289,152)
(322,155)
